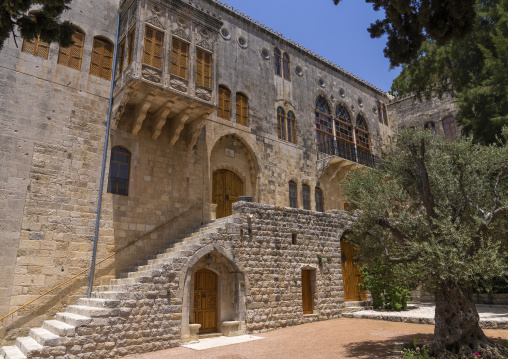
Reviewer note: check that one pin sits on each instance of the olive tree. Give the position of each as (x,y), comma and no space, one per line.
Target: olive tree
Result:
(440,209)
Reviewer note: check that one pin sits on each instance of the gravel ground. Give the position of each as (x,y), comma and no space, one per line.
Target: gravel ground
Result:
(338,338)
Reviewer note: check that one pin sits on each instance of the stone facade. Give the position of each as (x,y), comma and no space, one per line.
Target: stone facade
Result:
(52,132)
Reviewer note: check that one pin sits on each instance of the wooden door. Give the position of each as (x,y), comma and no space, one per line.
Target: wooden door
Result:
(205,301)
(307,300)
(351,275)
(227,186)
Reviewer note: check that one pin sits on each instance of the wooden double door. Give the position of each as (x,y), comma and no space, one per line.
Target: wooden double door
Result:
(226,189)
(351,275)
(205,301)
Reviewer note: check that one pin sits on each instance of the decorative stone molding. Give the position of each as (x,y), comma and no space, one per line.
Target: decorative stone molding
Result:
(151,74)
(154,20)
(206,45)
(203,93)
(178,84)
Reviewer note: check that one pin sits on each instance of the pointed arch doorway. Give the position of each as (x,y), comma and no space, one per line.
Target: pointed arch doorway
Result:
(226,189)
(205,300)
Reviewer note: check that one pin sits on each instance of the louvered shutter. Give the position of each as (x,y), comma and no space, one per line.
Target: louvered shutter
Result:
(199,68)
(95,66)
(184,58)
(208,71)
(147,50)
(175,57)
(157,54)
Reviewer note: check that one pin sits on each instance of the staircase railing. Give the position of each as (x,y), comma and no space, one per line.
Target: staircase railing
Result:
(147,234)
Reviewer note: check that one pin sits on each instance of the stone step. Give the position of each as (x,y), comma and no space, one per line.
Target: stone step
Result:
(89,311)
(98,302)
(60,328)
(73,319)
(11,352)
(140,274)
(28,345)
(45,337)
(103,293)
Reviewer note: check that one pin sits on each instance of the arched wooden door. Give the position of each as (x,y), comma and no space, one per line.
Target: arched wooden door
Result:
(205,301)
(351,275)
(226,188)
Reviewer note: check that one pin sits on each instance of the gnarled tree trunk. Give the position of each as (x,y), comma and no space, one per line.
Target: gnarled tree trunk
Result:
(457,328)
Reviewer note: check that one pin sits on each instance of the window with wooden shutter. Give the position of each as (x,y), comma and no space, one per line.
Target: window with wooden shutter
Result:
(242,109)
(130,54)
(36,47)
(152,51)
(72,56)
(224,110)
(179,58)
(121,55)
(102,58)
(203,68)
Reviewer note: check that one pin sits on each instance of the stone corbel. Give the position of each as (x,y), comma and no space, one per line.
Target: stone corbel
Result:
(119,104)
(195,129)
(177,124)
(140,113)
(159,119)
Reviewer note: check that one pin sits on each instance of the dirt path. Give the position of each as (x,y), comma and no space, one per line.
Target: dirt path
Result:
(338,338)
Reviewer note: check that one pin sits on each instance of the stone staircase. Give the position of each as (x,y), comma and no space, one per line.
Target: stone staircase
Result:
(352,307)
(70,334)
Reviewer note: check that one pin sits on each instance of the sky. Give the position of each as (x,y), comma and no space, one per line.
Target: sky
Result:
(338,33)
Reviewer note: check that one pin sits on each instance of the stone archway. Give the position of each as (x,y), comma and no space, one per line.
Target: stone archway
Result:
(231,292)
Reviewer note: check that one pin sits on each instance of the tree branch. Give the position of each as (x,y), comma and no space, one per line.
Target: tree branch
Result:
(387,252)
(396,231)
(425,193)
(464,194)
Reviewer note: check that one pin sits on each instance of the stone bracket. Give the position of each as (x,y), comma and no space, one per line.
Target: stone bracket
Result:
(119,104)
(140,113)
(177,124)
(159,119)
(195,129)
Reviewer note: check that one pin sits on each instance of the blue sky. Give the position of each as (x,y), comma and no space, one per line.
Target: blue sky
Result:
(338,33)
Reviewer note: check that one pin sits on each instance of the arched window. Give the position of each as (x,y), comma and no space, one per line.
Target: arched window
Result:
(306,197)
(292,195)
(291,127)
(102,58)
(281,123)
(242,109)
(324,127)
(343,125)
(278,62)
(319,199)
(152,50)
(179,58)
(119,168)
(35,47)
(72,56)
(362,133)
(449,128)
(431,125)
(224,110)
(285,67)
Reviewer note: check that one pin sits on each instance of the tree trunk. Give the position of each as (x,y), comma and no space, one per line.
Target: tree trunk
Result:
(457,328)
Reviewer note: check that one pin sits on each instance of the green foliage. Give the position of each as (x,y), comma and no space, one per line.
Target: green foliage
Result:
(473,70)
(320,259)
(390,285)
(409,23)
(44,22)
(438,208)
(416,352)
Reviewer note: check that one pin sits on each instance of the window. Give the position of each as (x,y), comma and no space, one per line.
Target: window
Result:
(119,171)
(130,55)
(385,115)
(179,58)
(291,127)
(449,129)
(324,125)
(381,112)
(343,125)
(319,199)
(306,197)
(431,125)
(278,62)
(224,110)
(102,58)
(281,123)
(203,69)
(36,47)
(362,133)
(152,51)
(292,195)
(72,56)
(121,55)
(242,109)
(286,68)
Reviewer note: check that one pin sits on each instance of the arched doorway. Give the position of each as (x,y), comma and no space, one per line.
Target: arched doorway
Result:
(351,275)
(205,300)
(226,188)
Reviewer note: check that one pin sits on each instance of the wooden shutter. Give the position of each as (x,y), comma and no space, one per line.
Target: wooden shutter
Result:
(179,58)
(242,110)
(122,55)
(152,52)
(208,70)
(72,56)
(102,59)
(36,47)
(224,103)
(131,45)
(199,67)
(203,68)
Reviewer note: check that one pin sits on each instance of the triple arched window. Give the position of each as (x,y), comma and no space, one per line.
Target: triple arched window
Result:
(293,197)
(282,64)
(286,125)
(119,168)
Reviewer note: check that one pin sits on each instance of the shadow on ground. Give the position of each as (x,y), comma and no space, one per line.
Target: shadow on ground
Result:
(383,348)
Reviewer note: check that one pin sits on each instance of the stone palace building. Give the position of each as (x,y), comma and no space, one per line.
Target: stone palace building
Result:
(208,105)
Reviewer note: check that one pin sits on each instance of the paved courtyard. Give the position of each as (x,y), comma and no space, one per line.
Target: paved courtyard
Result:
(338,338)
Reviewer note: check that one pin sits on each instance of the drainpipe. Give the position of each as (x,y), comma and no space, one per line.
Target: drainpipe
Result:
(96,237)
